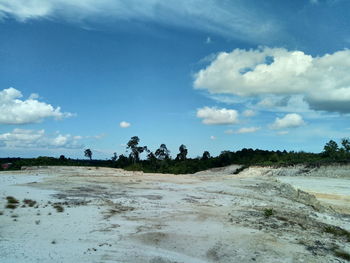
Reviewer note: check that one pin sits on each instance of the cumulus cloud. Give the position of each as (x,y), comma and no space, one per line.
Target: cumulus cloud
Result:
(291,120)
(23,138)
(323,82)
(124,124)
(215,116)
(234,20)
(13,110)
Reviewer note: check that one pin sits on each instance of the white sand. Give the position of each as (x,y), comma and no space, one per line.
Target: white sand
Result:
(117,216)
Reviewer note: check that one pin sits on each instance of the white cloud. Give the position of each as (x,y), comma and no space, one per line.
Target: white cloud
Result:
(99,136)
(229,131)
(291,120)
(124,124)
(235,20)
(323,82)
(23,138)
(215,116)
(13,110)
(243,130)
(248,130)
(249,113)
(282,132)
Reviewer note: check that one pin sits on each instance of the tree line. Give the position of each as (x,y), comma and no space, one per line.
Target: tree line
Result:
(161,161)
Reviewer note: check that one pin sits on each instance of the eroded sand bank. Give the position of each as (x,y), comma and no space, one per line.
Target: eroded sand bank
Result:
(115,216)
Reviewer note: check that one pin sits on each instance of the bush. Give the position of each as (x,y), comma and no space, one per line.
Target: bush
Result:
(11,200)
(29,202)
(11,206)
(268,212)
(58,208)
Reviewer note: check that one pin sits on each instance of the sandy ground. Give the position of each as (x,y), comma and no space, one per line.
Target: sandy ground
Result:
(110,215)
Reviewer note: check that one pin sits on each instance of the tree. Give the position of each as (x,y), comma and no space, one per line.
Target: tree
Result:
(114,157)
(123,161)
(331,148)
(206,155)
(181,156)
(151,157)
(88,153)
(135,149)
(162,153)
(62,158)
(345,142)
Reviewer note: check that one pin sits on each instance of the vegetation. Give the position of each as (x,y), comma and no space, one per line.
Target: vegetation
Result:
(12,200)
(59,208)
(268,212)
(88,154)
(338,231)
(29,202)
(136,150)
(342,254)
(160,160)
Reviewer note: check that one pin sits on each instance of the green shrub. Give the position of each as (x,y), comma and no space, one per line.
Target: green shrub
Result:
(337,231)
(11,200)
(11,206)
(268,212)
(29,202)
(58,208)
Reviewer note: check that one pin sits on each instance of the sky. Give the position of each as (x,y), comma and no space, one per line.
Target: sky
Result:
(213,75)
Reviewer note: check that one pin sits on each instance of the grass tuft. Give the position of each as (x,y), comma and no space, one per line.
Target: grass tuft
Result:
(268,212)
(11,206)
(11,200)
(58,208)
(29,202)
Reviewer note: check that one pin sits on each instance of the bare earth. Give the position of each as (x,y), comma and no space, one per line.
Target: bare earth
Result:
(111,215)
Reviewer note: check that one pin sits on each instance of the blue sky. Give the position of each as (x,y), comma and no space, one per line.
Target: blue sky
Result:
(213,75)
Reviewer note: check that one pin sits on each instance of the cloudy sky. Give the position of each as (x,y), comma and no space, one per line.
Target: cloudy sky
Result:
(213,75)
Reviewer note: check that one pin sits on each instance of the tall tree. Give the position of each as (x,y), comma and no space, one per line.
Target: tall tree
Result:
(162,153)
(88,153)
(135,149)
(182,155)
(331,149)
(345,142)
(206,155)
(114,157)
(151,157)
